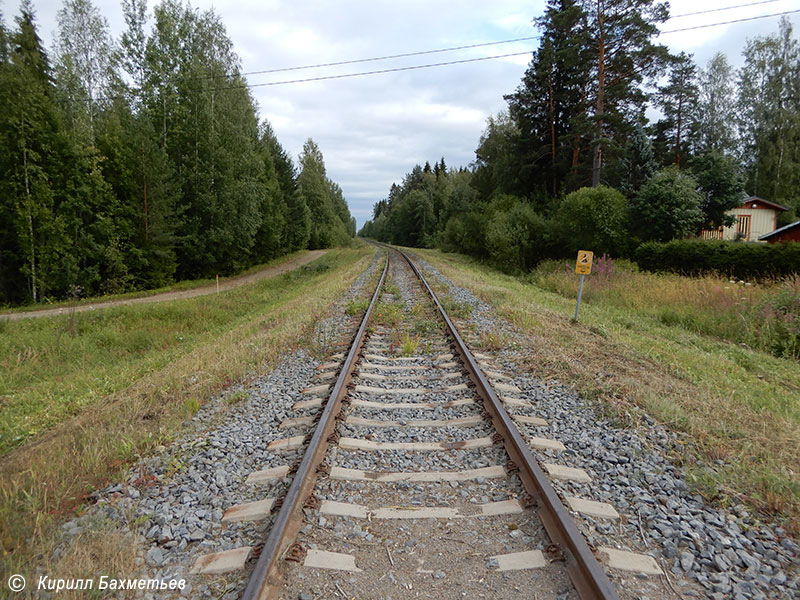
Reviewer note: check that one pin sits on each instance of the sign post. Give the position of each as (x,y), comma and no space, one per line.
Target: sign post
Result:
(583,266)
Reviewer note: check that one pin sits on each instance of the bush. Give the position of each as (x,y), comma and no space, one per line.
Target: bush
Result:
(517,239)
(594,219)
(739,260)
(667,207)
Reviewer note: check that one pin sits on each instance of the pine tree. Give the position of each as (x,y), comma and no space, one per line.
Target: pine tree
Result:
(621,34)
(550,106)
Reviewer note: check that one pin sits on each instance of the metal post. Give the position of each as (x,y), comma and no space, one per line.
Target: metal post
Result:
(580,293)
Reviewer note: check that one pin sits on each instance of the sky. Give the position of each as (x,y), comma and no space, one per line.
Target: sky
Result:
(373,129)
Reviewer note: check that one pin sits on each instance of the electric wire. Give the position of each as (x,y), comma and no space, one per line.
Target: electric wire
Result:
(446,63)
(713,10)
(469,46)
(363,73)
(788,12)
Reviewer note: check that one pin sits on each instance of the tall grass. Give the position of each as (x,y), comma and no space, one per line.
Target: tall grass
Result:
(764,316)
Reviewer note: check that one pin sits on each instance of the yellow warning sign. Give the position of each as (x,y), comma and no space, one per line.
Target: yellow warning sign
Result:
(583,266)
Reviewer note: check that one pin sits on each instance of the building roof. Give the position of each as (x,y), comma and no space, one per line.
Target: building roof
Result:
(766,203)
(782,229)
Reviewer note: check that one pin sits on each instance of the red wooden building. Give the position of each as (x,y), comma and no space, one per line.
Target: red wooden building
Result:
(787,233)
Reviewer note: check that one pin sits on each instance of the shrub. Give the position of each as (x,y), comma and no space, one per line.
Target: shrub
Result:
(594,219)
(739,260)
(667,207)
(517,239)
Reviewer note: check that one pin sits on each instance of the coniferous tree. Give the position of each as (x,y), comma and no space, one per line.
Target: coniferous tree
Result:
(621,33)
(31,135)
(637,164)
(549,108)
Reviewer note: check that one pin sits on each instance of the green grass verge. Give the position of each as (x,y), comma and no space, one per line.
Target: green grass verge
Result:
(739,407)
(173,287)
(83,396)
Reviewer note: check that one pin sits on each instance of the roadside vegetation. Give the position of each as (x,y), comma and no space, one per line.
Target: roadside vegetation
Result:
(84,395)
(758,315)
(668,345)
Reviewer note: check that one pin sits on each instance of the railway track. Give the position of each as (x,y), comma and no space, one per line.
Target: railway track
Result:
(415,480)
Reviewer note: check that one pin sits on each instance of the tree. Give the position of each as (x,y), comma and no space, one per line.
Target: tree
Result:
(716,106)
(667,207)
(30,133)
(550,105)
(496,168)
(327,228)
(621,33)
(678,102)
(514,237)
(593,218)
(637,164)
(719,181)
(769,109)
(84,52)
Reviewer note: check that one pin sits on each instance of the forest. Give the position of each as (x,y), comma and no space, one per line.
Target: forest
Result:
(575,162)
(135,162)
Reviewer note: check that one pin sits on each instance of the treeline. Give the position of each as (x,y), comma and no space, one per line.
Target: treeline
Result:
(574,161)
(132,163)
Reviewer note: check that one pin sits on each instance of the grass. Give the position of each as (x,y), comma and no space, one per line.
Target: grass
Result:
(765,316)
(81,400)
(409,344)
(173,287)
(739,407)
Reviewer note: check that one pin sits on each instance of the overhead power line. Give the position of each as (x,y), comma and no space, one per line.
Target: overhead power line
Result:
(446,63)
(780,14)
(393,56)
(467,47)
(713,10)
(363,73)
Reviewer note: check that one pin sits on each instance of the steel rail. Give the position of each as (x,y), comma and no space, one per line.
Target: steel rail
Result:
(587,575)
(264,582)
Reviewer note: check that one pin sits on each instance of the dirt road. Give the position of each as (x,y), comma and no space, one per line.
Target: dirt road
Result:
(227,284)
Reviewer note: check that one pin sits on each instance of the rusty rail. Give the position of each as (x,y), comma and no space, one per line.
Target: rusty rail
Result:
(587,575)
(264,582)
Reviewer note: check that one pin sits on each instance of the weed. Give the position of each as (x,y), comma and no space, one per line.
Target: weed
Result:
(236,397)
(426,326)
(357,307)
(457,310)
(388,314)
(391,289)
(492,341)
(408,345)
(191,405)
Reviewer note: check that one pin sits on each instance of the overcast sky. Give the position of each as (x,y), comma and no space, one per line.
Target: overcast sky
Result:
(373,129)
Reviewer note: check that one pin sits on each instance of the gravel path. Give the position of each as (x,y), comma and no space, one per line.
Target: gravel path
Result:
(226,284)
